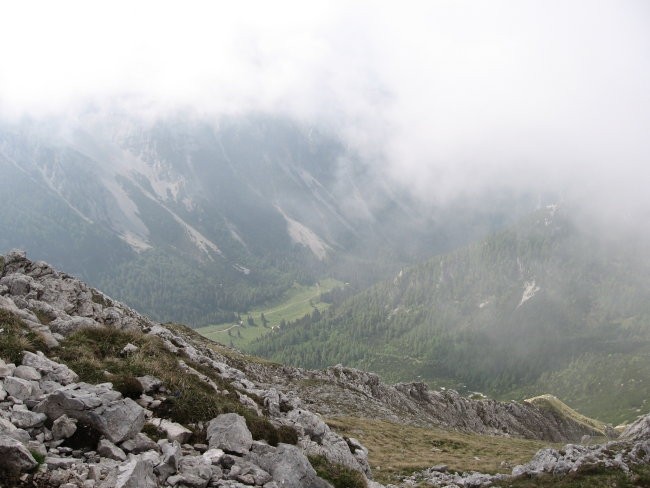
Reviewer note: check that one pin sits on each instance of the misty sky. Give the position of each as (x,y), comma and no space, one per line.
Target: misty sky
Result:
(447,97)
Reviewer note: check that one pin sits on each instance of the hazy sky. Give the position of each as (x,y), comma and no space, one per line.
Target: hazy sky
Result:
(449,97)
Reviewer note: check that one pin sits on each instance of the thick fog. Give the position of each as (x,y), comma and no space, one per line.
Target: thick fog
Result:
(449,98)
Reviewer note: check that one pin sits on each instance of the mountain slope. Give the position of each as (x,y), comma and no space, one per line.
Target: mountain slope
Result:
(192,219)
(497,316)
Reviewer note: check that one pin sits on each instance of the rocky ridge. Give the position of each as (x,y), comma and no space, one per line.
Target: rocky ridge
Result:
(339,390)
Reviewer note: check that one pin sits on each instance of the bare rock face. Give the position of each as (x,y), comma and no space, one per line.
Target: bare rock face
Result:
(359,393)
(230,433)
(69,303)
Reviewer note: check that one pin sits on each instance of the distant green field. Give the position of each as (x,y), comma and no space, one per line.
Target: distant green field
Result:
(294,304)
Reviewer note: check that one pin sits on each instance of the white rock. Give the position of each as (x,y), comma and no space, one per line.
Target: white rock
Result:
(229,432)
(63,427)
(19,388)
(136,473)
(173,431)
(212,456)
(27,373)
(107,449)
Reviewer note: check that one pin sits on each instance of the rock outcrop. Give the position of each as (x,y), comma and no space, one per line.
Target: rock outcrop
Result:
(346,391)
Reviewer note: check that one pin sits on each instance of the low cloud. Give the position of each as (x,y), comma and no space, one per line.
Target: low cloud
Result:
(449,98)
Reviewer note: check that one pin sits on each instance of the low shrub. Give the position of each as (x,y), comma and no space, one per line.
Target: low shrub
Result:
(127,385)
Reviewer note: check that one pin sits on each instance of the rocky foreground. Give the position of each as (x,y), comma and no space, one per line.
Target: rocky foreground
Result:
(57,430)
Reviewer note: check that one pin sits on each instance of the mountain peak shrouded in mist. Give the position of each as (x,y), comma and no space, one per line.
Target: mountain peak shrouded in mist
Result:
(447,99)
(243,207)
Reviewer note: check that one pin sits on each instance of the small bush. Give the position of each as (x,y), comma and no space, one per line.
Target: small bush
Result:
(262,429)
(128,386)
(287,435)
(339,476)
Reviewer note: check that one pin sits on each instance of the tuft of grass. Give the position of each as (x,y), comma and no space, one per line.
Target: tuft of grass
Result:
(396,450)
(339,476)
(16,337)
(127,385)
(153,432)
(38,457)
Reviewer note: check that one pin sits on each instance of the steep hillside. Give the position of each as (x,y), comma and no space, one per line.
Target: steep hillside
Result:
(192,219)
(544,307)
(89,386)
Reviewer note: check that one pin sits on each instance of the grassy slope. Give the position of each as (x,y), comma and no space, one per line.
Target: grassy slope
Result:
(294,304)
(396,449)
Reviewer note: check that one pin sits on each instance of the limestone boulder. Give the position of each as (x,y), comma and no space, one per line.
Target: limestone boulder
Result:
(107,449)
(20,388)
(173,431)
(229,432)
(136,473)
(63,427)
(289,467)
(98,406)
